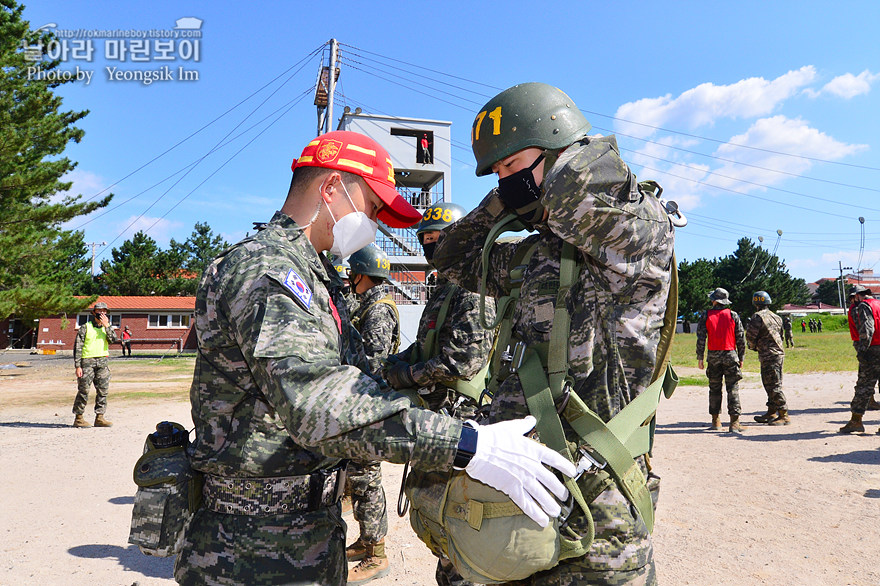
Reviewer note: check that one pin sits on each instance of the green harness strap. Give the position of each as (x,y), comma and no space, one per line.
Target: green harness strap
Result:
(389,301)
(471,388)
(614,445)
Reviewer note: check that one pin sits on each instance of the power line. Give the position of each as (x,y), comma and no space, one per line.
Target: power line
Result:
(744,146)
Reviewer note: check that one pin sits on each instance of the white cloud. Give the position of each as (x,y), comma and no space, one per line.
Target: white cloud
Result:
(706,103)
(161,232)
(847,86)
(85,183)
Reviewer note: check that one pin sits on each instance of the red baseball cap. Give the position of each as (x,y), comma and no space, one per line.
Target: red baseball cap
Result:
(356,153)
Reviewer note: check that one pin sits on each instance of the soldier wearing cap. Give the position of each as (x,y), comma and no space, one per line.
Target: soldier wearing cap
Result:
(865,333)
(91,352)
(764,334)
(722,329)
(279,402)
(585,205)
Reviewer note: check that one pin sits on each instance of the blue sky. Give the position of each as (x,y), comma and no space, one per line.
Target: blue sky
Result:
(755,117)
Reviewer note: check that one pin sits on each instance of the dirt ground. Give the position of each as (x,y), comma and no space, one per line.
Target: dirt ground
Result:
(787,505)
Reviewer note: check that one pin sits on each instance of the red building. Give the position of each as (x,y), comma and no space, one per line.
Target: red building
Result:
(156,323)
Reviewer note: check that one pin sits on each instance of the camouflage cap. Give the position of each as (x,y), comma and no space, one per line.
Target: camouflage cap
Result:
(100,305)
(720,295)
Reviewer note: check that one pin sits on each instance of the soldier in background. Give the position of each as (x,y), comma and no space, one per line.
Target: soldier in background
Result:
(91,356)
(865,333)
(460,346)
(280,397)
(574,190)
(786,328)
(447,353)
(723,330)
(378,322)
(342,268)
(764,334)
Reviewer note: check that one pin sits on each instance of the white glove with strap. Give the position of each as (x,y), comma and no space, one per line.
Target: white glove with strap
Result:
(507,461)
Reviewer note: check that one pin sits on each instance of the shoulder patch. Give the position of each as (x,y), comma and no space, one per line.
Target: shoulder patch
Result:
(298,287)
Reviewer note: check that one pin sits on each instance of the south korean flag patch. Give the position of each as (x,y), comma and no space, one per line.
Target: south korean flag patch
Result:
(298,287)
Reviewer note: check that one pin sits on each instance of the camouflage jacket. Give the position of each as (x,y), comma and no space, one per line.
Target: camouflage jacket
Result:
(616,306)
(462,345)
(378,325)
(273,392)
(765,334)
(738,334)
(80,339)
(864,320)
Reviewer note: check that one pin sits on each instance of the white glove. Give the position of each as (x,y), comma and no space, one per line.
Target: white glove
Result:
(514,464)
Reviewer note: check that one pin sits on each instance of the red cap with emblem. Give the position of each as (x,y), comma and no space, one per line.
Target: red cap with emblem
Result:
(353,152)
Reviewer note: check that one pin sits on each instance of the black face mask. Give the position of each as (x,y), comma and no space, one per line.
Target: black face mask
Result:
(520,192)
(429,247)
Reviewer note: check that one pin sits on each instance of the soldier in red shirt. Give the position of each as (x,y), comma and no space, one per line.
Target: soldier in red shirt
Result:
(724,332)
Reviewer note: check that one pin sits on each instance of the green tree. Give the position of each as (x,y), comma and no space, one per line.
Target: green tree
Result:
(751,268)
(200,248)
(139,267)
(34,132)
(828,292)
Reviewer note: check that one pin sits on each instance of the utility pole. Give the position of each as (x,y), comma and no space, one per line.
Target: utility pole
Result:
(95,245)
(840,290)
(332,86)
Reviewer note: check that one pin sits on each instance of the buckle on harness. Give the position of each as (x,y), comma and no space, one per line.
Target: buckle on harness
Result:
(587,463)
(516,361)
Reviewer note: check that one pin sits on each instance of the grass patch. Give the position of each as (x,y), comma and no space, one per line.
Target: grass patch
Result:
(127,395)
(830,351)
(692,381)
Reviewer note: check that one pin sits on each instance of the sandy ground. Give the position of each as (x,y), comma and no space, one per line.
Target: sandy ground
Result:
(787,505)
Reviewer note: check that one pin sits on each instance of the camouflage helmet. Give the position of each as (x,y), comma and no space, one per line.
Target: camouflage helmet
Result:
(526,115)
(438,216)
(370,260)
(339,264)
(761,298)
(100,305)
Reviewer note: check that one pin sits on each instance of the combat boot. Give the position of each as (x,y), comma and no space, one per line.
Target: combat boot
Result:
(356,551)
(101,422)
(854,425)
(374,565)
(781,418)
(873,405)
(716,423)
(735,425)
(79,421)
(767,417)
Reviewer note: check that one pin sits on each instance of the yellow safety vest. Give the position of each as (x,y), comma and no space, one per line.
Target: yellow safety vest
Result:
(96,343)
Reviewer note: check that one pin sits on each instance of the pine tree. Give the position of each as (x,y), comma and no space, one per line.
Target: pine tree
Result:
(35,277)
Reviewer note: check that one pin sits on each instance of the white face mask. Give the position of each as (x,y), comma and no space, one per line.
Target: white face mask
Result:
(352,231)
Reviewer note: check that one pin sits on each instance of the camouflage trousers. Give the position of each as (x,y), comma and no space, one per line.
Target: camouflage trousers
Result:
(771,377)
(722,366)
(364,484)
(97,371)
(869,375)
(234,550)
(789,341)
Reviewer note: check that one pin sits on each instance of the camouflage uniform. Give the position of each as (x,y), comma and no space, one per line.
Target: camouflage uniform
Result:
(786,327)
(95,370)
(616,306)
(379,327)
(869,359)
(272,397)
(462,348)
(764,334)
(722,366)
